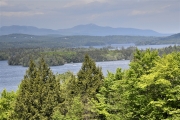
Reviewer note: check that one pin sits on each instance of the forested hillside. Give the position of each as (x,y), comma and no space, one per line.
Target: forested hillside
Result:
(56,41)
(53,41)
(149,89)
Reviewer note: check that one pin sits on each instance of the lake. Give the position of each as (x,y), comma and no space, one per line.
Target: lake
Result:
(141,47)
(11,76)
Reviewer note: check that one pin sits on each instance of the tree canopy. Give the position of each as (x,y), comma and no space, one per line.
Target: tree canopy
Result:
(38,94)
(149,89)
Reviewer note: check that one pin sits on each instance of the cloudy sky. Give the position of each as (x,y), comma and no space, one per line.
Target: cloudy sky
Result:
(159,15)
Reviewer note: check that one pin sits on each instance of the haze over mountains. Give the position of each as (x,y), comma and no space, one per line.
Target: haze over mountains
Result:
(89,29)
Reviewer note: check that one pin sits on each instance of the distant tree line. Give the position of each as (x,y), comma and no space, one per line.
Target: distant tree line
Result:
(60,56)
(33,41)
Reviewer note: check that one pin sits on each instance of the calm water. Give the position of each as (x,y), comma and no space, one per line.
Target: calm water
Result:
(142,47)
(11,76)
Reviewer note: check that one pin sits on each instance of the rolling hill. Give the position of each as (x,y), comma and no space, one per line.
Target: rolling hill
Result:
(89,29)
(51,41)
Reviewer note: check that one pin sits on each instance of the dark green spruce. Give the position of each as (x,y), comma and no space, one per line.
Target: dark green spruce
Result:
(38,95)
(90,78)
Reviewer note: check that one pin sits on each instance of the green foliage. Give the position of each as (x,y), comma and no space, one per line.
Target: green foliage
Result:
(57,115)
(7,100)
(90,78)
(32,41)
(68,91)
(60,56)
(72,106)
(148,90)
(78,92)
(110,100)
(142,62)
(150,94)
(74,111)
(3,55)
(39,93)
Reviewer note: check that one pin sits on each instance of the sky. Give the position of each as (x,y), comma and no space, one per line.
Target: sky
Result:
(160,15)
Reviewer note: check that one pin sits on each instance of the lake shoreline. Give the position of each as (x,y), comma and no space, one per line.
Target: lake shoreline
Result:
(11,76)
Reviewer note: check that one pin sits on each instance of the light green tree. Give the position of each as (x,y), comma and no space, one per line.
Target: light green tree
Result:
(110,104)
(68,89)
(7,100)
(155,95)
(142,62)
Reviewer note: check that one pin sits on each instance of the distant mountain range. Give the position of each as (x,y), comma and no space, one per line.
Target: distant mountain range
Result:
(89,29)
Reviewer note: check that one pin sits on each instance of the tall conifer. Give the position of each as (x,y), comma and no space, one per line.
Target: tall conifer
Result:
(39,93)
(90,79)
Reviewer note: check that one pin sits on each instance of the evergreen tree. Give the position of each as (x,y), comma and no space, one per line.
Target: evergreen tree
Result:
(38,95)
(90,78)
(79,91)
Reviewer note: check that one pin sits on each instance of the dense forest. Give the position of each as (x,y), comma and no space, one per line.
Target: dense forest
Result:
(56,41)
(148,90)
(32,41)
(60,56)
(18,49)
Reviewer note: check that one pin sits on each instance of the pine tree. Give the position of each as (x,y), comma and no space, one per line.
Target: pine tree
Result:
(39,93)
(90,78)
(79,91)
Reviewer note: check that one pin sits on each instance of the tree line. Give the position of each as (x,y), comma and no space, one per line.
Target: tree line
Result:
(55,41)
(60,56)
(149,89)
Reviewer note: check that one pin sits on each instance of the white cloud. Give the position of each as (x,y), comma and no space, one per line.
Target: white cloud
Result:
(20,14)
(82,2)
(89,1)
(3,3)
(144,12)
